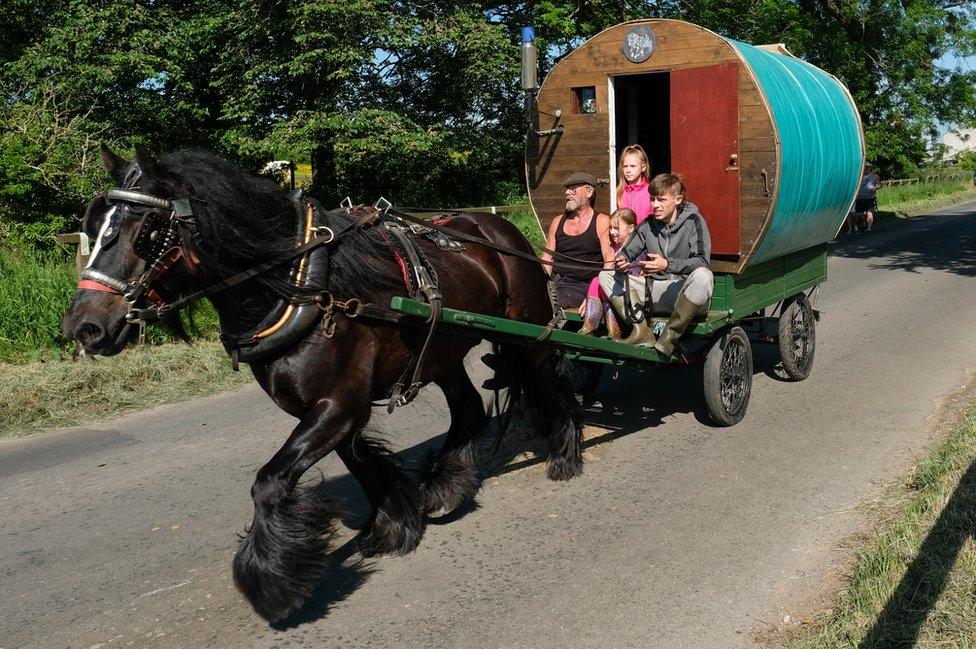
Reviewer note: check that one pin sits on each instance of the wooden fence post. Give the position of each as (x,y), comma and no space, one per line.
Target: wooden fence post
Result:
(83,251)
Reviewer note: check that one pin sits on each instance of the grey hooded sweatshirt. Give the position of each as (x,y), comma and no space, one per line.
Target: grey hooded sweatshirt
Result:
(685,243)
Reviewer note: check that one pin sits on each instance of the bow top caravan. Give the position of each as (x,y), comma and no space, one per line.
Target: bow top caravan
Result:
(771,146)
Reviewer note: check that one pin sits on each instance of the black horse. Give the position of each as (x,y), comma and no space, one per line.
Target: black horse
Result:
(190,220)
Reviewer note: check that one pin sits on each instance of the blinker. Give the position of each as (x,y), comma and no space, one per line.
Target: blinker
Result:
(151,240)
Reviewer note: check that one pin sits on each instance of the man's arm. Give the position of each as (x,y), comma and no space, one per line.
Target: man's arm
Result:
(700,253)
(603,234)
(550,244)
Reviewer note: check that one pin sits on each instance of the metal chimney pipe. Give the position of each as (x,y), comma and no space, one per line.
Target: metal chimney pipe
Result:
(530,63)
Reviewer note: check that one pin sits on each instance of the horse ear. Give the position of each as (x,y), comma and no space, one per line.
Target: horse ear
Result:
(115,165)
(146,161)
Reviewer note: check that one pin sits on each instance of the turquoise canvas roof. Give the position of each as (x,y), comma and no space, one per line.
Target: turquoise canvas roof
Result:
(821,151)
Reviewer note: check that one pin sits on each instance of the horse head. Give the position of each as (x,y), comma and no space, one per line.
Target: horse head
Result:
(140,255)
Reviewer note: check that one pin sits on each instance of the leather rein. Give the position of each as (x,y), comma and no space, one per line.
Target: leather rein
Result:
(169,249)
(160,242)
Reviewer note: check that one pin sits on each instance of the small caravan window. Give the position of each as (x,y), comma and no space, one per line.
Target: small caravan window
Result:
(584,100)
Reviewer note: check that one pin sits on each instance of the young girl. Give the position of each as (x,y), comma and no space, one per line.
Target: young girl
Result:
(633,174)
(623,222)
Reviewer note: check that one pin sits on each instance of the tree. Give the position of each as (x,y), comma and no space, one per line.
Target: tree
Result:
(418,102)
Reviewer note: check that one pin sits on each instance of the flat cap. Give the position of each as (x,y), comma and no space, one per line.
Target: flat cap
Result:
(580,178)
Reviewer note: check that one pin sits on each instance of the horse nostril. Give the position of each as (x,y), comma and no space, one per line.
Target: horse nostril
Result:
(89,333)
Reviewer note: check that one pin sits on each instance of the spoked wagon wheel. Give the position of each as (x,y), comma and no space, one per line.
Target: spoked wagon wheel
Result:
(797,338)
(727,377)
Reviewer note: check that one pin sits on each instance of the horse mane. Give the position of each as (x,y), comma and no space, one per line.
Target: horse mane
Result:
(243,220)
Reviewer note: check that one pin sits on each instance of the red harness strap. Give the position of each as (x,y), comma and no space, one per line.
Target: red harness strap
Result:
(399,258)
(93,285)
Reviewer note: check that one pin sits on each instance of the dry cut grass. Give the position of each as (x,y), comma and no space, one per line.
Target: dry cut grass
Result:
(914,583)
(69,393)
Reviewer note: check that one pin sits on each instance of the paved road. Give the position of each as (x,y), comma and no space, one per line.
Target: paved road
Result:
(678,534)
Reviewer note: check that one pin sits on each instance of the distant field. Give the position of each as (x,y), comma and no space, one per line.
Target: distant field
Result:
(895,194)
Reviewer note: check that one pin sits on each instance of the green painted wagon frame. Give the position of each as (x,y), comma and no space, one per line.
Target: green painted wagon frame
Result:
(776,291)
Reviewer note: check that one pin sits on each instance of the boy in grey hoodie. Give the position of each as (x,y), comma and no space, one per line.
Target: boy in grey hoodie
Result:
(672,249)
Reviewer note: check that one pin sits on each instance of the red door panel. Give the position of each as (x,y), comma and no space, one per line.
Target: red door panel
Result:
(704,139)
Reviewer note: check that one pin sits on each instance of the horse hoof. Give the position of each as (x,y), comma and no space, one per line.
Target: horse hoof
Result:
(450,483)
(440,512)
(379,543)
(388,534)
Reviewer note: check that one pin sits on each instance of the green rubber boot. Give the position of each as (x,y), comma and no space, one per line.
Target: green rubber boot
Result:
(684,312)
(641,332)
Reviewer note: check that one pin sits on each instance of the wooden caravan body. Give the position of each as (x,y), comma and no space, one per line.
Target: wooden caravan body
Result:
(771,147)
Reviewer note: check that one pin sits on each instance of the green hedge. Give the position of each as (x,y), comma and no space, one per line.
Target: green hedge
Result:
(35,291)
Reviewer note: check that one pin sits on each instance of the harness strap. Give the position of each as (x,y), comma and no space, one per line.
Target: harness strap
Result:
(424,274)
(352,308)
(580,265)
(98,281)
(243,276)
(427,287)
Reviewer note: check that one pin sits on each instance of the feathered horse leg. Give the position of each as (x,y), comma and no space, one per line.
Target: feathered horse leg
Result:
(397,523)
(451,476)
(283,554)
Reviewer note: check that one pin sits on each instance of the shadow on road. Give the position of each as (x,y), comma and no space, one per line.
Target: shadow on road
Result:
(628,400)
(347,574)
(939,242)
(919,590)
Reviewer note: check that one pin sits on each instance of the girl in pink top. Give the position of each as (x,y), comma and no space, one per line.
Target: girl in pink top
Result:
(633,174)
(623,222)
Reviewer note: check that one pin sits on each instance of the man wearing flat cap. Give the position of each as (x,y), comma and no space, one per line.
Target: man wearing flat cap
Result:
(582,235)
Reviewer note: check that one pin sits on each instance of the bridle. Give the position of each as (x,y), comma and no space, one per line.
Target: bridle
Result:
(158,242)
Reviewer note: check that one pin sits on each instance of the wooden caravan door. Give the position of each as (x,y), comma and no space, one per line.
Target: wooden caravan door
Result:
(705,147)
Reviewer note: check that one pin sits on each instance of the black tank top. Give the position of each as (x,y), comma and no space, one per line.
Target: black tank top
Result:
(583,247)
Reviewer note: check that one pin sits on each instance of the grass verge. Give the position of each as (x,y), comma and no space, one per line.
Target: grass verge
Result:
(34,293)
(919,199)
(66,393)
(914,584)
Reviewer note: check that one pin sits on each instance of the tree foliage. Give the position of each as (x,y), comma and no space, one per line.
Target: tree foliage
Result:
(415,101)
